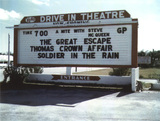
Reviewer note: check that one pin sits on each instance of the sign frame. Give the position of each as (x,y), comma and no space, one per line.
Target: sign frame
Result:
(134,43)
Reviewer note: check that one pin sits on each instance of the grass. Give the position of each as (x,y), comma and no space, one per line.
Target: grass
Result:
(143,72)
(149,73)
(95,72)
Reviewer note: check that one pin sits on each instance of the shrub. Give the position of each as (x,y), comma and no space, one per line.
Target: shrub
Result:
(120,72)
(36,69)
(18,74)
(141,76)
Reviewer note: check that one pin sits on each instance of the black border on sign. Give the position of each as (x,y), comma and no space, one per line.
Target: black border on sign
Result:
(134,58)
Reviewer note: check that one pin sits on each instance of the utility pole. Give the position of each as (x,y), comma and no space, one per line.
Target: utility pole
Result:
(8,50)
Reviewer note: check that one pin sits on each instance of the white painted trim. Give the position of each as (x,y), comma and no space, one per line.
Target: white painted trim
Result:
(134,78)
(104,80)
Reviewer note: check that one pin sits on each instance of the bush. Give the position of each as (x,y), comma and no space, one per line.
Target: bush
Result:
(18,74)
(121,72)
(36,69)
(141,76)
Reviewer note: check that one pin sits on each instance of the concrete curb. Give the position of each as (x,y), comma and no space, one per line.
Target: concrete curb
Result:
(155,86)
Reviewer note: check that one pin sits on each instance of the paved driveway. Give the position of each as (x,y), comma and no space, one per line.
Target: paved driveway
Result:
(78,104)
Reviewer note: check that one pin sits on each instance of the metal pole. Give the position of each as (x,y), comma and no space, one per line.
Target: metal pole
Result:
(76,69)
(8,50)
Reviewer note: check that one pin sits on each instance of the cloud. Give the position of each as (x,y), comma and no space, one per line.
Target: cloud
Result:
(135,2)
(41,2)
(6,15)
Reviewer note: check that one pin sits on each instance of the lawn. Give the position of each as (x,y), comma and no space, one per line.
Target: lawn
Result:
(149,73)
(95,72)
(143,72)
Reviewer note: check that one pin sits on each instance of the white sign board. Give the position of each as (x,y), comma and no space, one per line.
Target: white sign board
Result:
(97,45)
(144,60)
(101,44)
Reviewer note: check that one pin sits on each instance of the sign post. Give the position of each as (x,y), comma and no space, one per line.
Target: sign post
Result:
(69,71)
(108,39)
(91,39)
(8,50)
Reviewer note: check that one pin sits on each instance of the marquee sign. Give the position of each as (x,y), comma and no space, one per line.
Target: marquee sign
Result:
(72,17)
(107,45)
(76,19)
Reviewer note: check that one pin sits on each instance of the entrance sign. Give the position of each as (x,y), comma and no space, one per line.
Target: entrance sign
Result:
(73,77)
(112,44)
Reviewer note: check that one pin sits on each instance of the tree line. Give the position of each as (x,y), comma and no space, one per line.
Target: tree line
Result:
(155,58)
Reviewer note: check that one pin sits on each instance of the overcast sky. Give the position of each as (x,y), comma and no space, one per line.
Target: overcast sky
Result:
(147,12)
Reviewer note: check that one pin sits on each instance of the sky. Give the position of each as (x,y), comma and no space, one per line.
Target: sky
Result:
(146,11)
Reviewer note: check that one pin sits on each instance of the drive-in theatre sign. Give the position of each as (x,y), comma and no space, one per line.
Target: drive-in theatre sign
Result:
(102,39)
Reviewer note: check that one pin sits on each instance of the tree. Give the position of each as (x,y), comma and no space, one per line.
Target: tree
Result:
(155,57)
(141,53)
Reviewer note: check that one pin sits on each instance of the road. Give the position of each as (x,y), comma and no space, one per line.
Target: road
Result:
(78,104)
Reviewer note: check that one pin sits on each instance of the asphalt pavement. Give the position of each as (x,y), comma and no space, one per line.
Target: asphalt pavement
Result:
(51,103)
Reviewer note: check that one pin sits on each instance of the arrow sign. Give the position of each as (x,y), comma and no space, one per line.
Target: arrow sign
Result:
(71,77)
